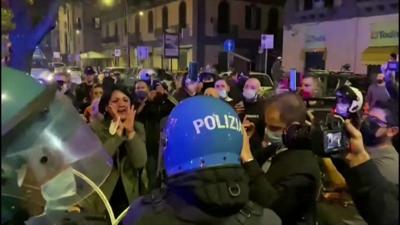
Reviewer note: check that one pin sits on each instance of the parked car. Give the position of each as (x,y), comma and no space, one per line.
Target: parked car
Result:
(40,71)
(333,80)
(75,73)
(58,67)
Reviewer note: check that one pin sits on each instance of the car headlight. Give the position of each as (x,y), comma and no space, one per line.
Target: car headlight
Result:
(49,77)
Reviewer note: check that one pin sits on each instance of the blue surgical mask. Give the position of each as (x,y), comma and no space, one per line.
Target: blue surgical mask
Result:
(274,137)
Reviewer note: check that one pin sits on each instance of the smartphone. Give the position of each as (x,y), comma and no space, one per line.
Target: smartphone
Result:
(293,80)
(193,71)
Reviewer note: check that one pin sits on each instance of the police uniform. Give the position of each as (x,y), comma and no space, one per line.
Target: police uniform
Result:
(159,208)
(206,183)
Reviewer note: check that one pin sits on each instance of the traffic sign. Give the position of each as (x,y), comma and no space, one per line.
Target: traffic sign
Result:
(142,52)
(267,41)
(229,45)
(117,52)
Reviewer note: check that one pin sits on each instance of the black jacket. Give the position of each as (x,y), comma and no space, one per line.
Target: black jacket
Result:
(255,113)
(181,94)
(82,93)
(150,116)
(236,90)
(201,198)
(290,187)
(376,199)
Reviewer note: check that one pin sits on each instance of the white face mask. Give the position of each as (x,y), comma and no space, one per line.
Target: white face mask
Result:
(274,137)
(61,186)
(249,94)
(222,94)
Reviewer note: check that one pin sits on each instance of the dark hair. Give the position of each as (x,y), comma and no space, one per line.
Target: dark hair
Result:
(391,108)
(142,81)
(97,86)
(89,70)
(105,99)
(393,55)
(183,81)
(291,107)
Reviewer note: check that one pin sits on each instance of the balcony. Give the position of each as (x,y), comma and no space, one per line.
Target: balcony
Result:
(112,39)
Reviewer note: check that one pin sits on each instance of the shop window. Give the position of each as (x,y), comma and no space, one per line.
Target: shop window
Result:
(78,24)
(164,18)
(308,4)
(137,24)
(329,3)
(315,60)
(223,17)
(150,23)
(182,15)
(96,22)
(252,17)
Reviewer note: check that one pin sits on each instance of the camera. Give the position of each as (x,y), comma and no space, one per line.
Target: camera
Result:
(330,137)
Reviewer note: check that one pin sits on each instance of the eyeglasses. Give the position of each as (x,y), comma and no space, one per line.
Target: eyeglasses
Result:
(378,121)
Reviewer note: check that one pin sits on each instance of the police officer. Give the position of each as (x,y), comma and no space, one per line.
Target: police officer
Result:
(205,181)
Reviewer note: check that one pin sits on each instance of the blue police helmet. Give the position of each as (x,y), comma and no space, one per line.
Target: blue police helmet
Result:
(202,132)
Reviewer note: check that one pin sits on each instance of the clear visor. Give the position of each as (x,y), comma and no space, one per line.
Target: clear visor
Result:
(39,164)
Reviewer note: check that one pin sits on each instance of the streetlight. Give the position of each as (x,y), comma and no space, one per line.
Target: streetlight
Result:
(78,31)
(141,13)
(108,2)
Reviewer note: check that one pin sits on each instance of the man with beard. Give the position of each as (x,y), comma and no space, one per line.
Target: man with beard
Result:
(377,92)
(152,105)
(378,130)
(206,183)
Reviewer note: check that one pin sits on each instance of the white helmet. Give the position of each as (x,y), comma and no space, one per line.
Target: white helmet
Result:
(353,96)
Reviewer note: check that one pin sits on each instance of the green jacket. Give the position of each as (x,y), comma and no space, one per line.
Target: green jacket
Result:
(128,167)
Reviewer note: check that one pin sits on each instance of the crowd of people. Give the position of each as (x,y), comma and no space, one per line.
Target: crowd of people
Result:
(276,171)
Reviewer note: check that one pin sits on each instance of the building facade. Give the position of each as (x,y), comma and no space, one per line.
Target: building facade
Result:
(79,29)
(202,26)
(326,34)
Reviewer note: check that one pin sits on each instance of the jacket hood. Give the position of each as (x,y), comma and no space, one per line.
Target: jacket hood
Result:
(215,191)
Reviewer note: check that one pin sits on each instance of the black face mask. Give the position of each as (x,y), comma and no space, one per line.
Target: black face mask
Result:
(207,85)
(368,129)
(141,95)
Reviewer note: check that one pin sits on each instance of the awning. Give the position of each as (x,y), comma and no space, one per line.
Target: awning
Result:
(93,55)
(315,50)
(378,55)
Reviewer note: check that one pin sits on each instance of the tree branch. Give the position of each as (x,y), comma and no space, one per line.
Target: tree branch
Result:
(21,18)
(48,22)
